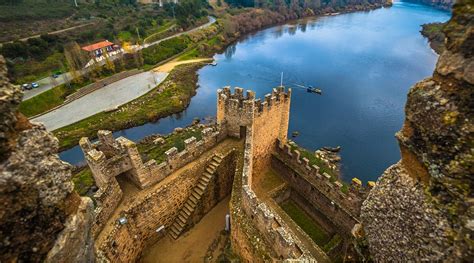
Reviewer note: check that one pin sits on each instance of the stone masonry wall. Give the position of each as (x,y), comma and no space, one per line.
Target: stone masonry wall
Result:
(317,196)
(110,157)
(42,218)
(270,124)
(107,199)
(219,188)
(271,227)
(268,119)
(124,243)
(310,175)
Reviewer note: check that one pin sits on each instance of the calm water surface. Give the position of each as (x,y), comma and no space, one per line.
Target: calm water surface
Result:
(364,62)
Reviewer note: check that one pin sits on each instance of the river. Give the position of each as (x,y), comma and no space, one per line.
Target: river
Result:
(364,62)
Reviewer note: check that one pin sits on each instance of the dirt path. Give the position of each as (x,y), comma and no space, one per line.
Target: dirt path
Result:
(192,246)
(170,65)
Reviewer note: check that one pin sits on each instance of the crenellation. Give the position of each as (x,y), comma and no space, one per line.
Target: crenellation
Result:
(105,137)
(171,153)
(238,93)
(268,99)
(297,156)
(316,170)
(250,95)
(190,143)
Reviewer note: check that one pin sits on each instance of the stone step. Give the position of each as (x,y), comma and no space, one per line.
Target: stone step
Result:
(174,233)
(189,206)
(217,158)
(201,186)
(181,224)
(187,210)
(174,230)
(193,199)
(179,228)
(182,218)
(203,181)
(196,195)
(210,170)
(199,191)
(207,175)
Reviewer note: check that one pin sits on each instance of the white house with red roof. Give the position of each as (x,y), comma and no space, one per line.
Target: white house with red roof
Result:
(101,50)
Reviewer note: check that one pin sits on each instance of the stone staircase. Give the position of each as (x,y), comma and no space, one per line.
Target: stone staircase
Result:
(187,210)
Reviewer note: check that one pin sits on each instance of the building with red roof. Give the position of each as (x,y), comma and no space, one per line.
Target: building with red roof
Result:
(101,50)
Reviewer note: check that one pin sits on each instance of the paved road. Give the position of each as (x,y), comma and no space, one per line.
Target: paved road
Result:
(111,96)
(46,84)
(49,82)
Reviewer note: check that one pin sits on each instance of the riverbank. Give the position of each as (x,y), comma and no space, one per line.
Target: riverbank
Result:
(231,28)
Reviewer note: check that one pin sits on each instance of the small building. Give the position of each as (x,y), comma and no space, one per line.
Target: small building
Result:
(100,50)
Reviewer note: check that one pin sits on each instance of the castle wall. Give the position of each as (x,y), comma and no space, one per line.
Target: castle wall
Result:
(175,160)
(317,189)
(108,157)
(271,227)
(107,199)
(124,243)
(270,124)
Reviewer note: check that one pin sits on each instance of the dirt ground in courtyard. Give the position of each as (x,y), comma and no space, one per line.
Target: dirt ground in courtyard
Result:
(194,244)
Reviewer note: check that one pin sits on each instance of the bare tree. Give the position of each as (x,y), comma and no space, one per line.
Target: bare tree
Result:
(75,58)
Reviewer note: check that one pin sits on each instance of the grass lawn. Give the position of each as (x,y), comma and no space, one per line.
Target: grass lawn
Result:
(306,223)
(157,152)
(83,181)
(44,101)
(178,89)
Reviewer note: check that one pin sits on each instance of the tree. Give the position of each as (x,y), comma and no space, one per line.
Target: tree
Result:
(75,58)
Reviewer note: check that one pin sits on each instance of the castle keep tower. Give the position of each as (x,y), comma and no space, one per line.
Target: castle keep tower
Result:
(267,120)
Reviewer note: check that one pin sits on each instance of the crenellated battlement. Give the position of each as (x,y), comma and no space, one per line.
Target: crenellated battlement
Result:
(109,157)
(236,110)
(341,203)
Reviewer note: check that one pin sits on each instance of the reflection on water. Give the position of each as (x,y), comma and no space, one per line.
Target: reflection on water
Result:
(364,62)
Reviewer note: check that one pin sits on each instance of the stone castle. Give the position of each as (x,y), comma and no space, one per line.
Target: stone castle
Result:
(261,127)
(420,209)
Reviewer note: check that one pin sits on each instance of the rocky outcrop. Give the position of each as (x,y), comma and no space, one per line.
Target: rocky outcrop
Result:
(435,35)
(422,207)
(36,194)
